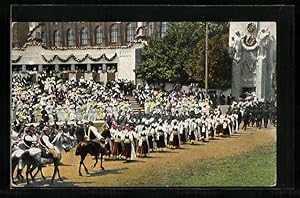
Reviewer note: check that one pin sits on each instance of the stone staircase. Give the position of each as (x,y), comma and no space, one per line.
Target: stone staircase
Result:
(134,105)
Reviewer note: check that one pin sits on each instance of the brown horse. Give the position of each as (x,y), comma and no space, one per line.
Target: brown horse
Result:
(92,148)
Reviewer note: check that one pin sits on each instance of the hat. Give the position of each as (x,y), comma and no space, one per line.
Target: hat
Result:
(45,129)
(79,123)
(28,138)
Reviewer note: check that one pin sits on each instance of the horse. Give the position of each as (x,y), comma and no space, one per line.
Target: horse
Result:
(17,151)
(37,158)
(15,160)
(92,148)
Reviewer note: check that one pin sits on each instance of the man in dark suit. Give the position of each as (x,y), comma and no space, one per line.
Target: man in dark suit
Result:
(266,115)
(79,132)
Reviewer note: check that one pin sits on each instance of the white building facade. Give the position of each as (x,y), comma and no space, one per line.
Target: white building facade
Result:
(110,63)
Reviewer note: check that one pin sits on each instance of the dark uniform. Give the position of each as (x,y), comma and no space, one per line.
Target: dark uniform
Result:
(266,117)
(252,115)
(246,118)
(79,133)
(259,115)
(239,113)
(273,115)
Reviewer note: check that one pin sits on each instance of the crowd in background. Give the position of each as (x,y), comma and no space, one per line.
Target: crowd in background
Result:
(170,118)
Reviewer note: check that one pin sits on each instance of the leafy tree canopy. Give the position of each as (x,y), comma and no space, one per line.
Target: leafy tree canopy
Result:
(167,59)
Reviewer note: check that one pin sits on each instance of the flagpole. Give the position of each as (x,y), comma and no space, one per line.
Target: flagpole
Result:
(206,61)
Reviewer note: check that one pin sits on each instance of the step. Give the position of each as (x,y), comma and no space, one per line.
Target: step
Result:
(136,107)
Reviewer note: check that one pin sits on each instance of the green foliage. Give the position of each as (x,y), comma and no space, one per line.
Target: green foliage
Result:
(164,59)
(219,63)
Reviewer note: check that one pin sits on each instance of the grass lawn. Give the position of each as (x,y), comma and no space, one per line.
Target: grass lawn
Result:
(254,168)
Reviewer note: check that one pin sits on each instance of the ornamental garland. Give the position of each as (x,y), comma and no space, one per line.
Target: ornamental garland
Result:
(249,43)
(78,59)
(16,60)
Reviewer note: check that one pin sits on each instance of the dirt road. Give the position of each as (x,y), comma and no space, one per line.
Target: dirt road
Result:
(158,166)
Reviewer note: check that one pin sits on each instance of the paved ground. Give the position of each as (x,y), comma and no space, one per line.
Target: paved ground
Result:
(157,166)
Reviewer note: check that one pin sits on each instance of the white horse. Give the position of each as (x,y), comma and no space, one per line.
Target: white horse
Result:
(37,158)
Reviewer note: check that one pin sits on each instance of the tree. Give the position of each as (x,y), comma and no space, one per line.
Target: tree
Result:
(164,59)
(154,67)
(219,63)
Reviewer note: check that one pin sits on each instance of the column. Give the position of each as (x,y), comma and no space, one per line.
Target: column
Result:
(23,68)
(103,77)
(40,68)
(236,88)
(116,76)
(57,68)
(88,68)
(259,78)
(73,68)
(88,75)
(72,74)
(104,68)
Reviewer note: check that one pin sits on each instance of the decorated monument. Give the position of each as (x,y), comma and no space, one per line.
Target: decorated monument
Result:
(253,49)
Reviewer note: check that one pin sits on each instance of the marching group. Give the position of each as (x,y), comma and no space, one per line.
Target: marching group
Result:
(171,118)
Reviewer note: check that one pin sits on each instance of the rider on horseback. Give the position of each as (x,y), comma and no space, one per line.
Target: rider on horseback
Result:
(27,140)
(93,133)
(46,144)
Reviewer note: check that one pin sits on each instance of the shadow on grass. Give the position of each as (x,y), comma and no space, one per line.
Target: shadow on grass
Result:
(62,164)
(199,143)
(108,171)
(147,157)
(216,138)
(183,148)
(165,151)
(113,159)
(47,183)
(133,161)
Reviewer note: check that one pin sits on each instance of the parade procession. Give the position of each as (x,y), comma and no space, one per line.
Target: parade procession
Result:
(167,120)
(116,119)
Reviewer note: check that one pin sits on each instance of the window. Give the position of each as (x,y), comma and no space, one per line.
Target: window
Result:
(38,35)
(114,34)
(43,36)
(145,28)
(163,28)
(70,38)
(129,32)
(57,39)
(84,36)
(99,35)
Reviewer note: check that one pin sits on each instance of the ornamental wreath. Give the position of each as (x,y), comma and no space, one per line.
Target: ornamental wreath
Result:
(249,42)
(251,27)
(78,59)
